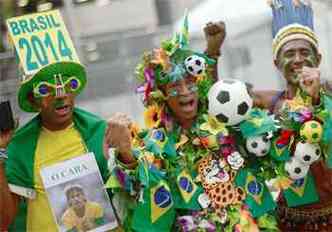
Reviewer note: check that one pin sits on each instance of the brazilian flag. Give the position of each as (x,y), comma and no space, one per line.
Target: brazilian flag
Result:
(327,129)
(156,211)
(186,191)
(281,152)
(160,143)
(258,199)
(301,192)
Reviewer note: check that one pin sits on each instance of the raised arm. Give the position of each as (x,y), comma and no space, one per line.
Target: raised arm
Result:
(118,136)
(214,35)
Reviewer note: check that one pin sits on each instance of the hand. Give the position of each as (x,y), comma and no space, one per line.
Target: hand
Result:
(118,135)
(87,224)
(5,137)
(310,82)
(215,35)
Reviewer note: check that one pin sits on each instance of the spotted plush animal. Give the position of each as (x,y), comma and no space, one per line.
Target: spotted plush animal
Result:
(220,190)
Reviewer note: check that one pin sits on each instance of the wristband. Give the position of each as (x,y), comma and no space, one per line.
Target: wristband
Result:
(3,154)
(115,153)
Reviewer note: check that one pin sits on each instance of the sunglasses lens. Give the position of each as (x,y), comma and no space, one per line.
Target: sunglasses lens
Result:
(173,92)
(193,88)
(43,90)
(74,84)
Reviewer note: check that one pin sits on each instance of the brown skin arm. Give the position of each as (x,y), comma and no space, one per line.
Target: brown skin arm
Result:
(263,98)
(215,34)
(8,201)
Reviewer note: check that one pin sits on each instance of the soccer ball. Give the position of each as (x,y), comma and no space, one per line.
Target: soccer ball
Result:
(258,145)
(195,65)
(307,153)
(229,101)
(311,131)
(295,169)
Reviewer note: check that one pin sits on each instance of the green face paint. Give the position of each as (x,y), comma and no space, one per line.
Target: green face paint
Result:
(58,103)
(296,55)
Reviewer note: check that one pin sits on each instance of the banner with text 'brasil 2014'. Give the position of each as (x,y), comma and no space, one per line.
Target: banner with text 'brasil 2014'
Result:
(41,39)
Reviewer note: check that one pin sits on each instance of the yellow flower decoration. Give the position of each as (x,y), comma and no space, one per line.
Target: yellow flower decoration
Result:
(161,57)
(152,116)
(298,102)
(214,126)
(148,157)
(282,183)
(134,130)
(247,223)
(183,140)
(199,78)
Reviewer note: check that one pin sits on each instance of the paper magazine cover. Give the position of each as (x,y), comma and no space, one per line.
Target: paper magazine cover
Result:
(77,195)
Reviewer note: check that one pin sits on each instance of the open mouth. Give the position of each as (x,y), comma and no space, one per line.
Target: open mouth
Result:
(187,104)
(62,110)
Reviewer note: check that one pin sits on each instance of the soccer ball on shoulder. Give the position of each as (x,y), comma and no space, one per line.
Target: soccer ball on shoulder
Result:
(229,101)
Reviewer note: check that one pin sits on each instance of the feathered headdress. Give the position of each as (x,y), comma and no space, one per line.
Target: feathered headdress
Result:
(292,19)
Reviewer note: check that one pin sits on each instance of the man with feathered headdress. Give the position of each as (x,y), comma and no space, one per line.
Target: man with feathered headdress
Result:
(306,204)
(296,55)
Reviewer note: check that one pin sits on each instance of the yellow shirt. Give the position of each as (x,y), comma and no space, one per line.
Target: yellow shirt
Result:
(52,147)
(92,211)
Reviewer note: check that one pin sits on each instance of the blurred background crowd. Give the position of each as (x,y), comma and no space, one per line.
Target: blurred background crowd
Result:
(111,35)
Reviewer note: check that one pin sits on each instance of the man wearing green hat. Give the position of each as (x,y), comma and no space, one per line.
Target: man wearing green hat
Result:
(59,132)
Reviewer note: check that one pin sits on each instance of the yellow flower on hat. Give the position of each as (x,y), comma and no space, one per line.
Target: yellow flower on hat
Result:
(152,116)
(214,126)
(161,57)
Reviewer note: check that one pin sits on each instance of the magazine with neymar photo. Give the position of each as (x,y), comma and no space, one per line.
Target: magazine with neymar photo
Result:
(77,196)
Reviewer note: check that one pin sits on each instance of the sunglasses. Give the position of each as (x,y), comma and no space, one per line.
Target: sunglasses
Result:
(59,87)
(176,90)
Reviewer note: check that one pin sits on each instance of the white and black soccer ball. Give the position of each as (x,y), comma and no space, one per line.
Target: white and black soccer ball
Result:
(258,145)
(229,101)
(307,153)
(295,169)
(195,65)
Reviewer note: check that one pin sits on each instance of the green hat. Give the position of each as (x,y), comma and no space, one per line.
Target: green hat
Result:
(65,68)
(258,122)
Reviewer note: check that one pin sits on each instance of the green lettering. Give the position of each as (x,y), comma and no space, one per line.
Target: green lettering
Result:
(24,26)
(55,24)
(14,28)
(49,23)
(42,23)
(34,26)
